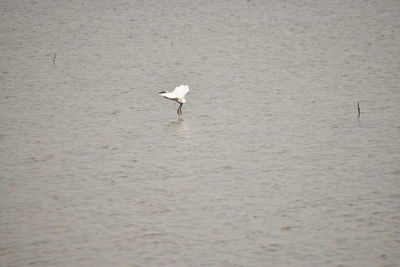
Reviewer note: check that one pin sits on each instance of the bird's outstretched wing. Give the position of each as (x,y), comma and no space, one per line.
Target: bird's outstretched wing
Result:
(180,91)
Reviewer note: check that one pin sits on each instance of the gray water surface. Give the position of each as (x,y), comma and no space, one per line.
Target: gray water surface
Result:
(270,166)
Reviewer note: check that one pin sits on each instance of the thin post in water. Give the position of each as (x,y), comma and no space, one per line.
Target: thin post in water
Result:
(54,58)
(358,108)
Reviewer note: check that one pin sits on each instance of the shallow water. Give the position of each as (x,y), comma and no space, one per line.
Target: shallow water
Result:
(269,167)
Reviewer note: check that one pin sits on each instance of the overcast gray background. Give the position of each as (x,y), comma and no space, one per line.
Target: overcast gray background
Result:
(270,167)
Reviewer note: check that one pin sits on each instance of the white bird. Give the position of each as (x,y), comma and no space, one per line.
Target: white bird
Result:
(177,95)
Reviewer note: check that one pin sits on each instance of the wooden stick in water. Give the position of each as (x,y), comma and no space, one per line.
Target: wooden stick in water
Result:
(358,108)
(54,58)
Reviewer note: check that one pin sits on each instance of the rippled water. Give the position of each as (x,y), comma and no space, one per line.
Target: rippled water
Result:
(270,167)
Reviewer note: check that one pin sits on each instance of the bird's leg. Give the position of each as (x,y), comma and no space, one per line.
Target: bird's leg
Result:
(179,111)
